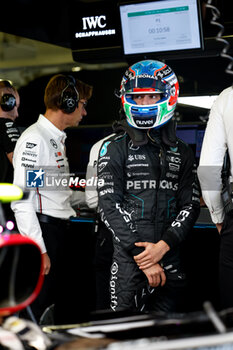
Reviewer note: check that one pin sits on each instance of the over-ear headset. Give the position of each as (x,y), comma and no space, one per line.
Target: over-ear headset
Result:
(7,101)
(69,96)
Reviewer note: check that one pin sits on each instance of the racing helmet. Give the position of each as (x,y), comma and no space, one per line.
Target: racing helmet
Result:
(149,77)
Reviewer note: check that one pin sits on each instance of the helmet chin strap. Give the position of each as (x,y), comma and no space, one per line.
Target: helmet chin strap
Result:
(167,134)
(137,136)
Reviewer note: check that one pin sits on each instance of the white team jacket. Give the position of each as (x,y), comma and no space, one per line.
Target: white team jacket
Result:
(218,137)
(41,146)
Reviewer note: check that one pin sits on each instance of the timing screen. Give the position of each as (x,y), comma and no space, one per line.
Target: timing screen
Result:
(160,26)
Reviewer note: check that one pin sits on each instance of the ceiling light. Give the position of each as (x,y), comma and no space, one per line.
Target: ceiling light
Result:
(76,69)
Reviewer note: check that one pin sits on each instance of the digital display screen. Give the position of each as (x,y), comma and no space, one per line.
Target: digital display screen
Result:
(193,135)
(199,141)
(161,26)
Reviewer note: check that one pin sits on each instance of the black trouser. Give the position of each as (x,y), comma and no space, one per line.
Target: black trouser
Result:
(102,265)
(226,263)
(54,234)
(68,284)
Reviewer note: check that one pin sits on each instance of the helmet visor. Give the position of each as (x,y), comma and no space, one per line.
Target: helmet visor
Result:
(149,84)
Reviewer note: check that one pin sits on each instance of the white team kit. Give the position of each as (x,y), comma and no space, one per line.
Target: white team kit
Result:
(40,147)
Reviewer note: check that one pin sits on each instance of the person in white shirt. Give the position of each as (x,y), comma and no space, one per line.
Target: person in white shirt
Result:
(41,166)
(217,140)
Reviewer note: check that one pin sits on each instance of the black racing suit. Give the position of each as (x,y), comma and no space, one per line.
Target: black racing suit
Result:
(9,134)
(150,192)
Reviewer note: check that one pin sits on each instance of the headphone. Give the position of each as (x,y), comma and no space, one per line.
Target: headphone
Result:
(69,96)
(7,101)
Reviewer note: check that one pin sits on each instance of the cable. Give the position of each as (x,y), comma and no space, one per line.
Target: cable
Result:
(213,316)
(219,37)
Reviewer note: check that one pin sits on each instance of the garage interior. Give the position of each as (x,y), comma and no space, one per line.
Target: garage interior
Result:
(36,42)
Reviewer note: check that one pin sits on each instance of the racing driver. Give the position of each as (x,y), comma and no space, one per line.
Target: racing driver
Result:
(150,196)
